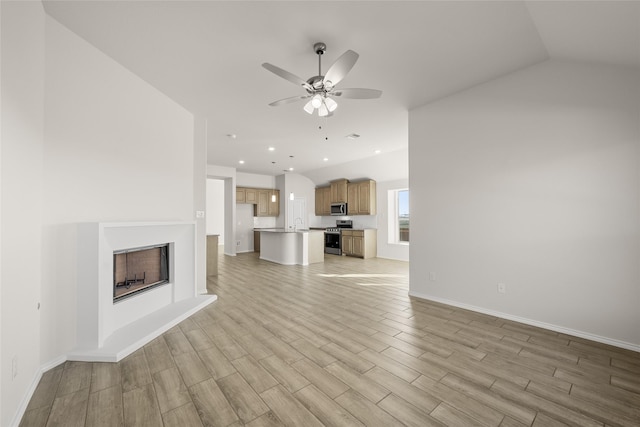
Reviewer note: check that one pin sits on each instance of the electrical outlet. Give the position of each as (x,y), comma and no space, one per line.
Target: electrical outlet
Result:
(432,276)
(14,367)
(502,288)
(199,214)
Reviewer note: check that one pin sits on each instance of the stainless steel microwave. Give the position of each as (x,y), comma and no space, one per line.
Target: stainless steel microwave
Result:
(338,209)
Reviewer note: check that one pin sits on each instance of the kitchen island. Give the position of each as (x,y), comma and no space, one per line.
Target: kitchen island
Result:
(288,247)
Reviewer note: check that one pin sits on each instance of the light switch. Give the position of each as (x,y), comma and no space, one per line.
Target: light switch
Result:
(199,214)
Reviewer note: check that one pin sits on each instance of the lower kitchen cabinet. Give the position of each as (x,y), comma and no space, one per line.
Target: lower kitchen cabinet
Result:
(360,243)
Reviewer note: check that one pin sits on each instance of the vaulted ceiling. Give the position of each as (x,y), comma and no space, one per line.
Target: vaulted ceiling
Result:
(207,56)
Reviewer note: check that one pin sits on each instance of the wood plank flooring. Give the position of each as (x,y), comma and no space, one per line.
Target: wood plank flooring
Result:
(341,343)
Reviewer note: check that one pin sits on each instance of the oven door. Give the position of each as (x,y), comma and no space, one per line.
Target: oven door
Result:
(332,243)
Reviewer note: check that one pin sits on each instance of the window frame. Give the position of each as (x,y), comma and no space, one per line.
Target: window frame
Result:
(394,217)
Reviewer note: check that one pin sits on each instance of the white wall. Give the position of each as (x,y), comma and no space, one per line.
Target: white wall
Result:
(245,221)
(199,204)
(389,166)
(116,149)
(21,199)
(228,175)
(215,208)
(532,180)
(253,180)
(302,188)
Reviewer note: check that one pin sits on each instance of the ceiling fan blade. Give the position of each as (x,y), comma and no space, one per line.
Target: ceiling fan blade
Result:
(287,75)
(341,67)
(289,100)
(357,93)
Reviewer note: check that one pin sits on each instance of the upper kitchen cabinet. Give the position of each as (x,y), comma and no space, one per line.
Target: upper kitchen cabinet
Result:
(241,195)
(251,195)
(323,201)
(266,202)
(274,203)
(262,207)
(339,191)
(362,198)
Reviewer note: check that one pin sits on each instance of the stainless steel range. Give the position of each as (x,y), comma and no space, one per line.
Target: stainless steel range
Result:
(333,237)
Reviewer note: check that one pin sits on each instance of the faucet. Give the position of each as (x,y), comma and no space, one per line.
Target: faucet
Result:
(295,223)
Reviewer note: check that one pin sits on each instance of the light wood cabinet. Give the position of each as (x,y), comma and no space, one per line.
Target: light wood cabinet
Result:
(260,198)
(262,207)
(274,203)
(339,191)
(347,242)
(353,204)
(323,201)
(362,198)
(251,195)
(360,243)
(241,195)
(212,255)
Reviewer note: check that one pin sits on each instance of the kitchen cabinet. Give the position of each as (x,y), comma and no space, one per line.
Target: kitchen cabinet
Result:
(339,191)
(262,207)
(241,195)
(323,201)
(251,195)
(362,198)
(261,200)
(360,243)
(274,203)
(212,255)
(266,207)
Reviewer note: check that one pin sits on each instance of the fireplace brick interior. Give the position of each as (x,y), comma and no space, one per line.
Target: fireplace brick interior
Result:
(137,270)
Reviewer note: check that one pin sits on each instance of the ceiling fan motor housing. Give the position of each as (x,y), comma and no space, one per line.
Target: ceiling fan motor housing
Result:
(316,83)
(319,48)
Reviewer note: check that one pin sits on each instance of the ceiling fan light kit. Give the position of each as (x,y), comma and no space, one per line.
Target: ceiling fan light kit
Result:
(321,89)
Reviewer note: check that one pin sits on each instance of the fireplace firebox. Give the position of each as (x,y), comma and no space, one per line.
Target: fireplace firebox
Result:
(137,270)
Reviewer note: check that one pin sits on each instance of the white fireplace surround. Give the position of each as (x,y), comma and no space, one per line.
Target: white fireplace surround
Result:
(108,331)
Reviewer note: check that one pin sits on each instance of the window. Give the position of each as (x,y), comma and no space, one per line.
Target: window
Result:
(399,216)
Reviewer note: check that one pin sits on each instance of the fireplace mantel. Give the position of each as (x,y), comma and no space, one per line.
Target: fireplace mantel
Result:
(108,330)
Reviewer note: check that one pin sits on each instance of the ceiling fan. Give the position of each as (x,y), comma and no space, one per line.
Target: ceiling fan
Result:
(322,89)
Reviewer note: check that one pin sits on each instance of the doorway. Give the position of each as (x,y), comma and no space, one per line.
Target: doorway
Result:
(297,213)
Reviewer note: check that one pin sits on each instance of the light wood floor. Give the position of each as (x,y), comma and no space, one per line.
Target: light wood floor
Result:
(341,343)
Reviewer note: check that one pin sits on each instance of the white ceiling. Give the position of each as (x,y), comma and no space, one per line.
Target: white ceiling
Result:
(207,56)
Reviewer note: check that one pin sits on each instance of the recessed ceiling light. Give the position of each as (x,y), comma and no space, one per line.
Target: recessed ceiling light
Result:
(377,151)
(353,136)
(241,162)
(326,159)
(232,135)
(290,169)
(272,148)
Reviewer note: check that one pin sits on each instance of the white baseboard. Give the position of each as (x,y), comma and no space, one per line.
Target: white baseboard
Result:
(22,408)
(114,354)
(531,322)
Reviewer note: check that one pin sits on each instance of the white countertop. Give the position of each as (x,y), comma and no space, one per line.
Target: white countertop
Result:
(282,230)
